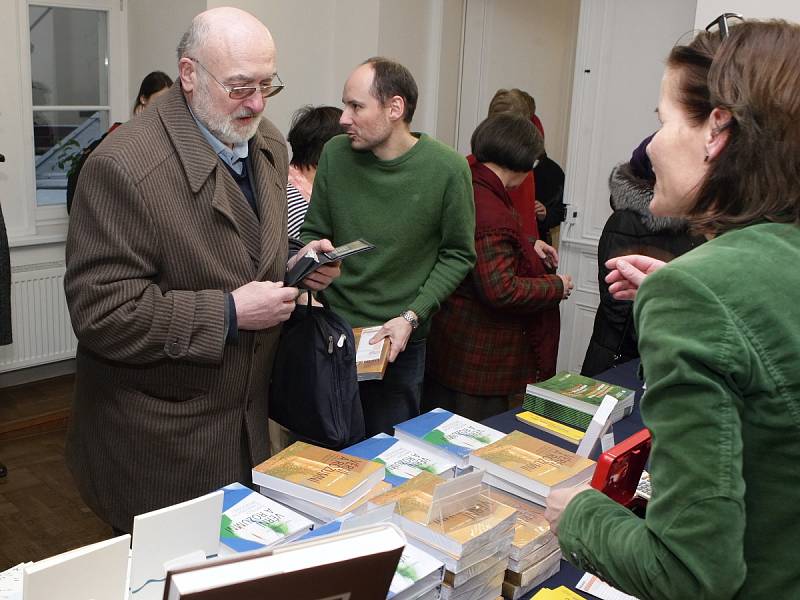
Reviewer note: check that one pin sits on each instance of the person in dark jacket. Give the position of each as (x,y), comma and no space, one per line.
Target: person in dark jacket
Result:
(499,330)
(631,229)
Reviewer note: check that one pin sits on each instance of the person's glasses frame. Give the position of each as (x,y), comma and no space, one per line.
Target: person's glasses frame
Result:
(245,91)
(721,22)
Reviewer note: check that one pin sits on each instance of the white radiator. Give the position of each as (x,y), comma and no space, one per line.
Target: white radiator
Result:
(39,318)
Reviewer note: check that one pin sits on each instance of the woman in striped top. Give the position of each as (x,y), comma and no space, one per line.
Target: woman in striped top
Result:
(311,128)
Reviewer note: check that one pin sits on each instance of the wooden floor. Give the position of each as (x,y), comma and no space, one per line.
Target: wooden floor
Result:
(41,513)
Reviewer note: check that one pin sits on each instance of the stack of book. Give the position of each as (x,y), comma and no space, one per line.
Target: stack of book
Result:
(418,575)
(401,460)
(320,483)
(448,436)
(535,554)
(251,521)
(529,467)
(573,399)
(472,538)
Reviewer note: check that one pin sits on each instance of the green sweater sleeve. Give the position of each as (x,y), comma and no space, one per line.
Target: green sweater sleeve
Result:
(456,249)
(690,545)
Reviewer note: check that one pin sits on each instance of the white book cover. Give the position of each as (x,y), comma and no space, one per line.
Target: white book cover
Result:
(401,460)
(171,533)
(251,521)
(448,433)
(96,571)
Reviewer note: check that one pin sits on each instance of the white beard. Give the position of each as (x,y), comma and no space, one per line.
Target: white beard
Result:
(223,126)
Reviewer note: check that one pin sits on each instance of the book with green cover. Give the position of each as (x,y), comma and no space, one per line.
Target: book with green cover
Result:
(572,399)
(532,464)
(326,477)
(251,521)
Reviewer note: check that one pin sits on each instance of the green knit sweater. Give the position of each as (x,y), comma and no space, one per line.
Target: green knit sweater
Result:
(719,336)
(419,212)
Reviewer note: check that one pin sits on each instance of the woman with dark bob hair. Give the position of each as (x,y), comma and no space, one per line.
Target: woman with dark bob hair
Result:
(719,336)
(499,329)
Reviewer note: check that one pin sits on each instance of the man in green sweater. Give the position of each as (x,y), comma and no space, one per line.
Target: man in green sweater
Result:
(409,195)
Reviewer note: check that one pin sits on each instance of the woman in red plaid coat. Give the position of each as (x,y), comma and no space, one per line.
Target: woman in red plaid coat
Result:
(499,330)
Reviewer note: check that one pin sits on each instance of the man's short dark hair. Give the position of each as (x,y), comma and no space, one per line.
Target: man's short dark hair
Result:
(508,140)
(311,127)
(393,79)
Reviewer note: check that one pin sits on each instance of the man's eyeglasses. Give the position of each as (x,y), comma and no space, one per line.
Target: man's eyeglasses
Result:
(241,92)
(721,22)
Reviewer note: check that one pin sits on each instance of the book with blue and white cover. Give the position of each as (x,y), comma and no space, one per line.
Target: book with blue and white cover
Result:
(447,435)
(251,521)
(401,460)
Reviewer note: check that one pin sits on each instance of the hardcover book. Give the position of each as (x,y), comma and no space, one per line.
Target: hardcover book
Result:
(532,463)
(572,399)
(251,521)
(371,359)
(401,460)
(480,522)
(450,436)
(356,565)
(325,477)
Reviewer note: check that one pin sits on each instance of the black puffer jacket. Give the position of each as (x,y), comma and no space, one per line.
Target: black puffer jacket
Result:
(631,229)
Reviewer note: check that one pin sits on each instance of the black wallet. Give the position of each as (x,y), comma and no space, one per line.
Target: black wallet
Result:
(313,261)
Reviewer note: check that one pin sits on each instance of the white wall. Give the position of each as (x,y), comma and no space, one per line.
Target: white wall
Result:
(319,42)
(154,30)
(708,10)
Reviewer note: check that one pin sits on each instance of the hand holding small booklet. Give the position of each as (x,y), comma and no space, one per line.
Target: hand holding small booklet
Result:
(371,359)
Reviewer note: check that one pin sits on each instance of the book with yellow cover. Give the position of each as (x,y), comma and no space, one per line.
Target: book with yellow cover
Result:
(483,521)
(532,464)
(325,477)
(371,359)
(531,529)
(565,432)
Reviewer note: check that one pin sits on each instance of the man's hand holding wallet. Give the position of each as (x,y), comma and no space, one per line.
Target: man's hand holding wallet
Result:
(317,264)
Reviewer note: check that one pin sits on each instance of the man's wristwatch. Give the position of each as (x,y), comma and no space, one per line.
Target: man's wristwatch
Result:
(411,317)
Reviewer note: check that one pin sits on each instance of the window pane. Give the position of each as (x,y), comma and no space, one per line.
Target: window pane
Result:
(69,56)
(59,138)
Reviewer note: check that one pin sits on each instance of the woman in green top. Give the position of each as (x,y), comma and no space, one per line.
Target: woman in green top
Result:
(719,336)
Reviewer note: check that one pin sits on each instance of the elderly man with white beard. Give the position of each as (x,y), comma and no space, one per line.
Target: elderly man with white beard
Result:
(176,254)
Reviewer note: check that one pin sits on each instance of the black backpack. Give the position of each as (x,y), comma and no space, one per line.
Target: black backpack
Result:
(314,387)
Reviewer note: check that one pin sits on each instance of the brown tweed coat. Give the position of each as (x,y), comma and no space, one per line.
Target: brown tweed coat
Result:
(164,410)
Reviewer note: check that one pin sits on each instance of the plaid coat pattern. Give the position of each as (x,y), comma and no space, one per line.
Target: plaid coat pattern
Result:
(499,330)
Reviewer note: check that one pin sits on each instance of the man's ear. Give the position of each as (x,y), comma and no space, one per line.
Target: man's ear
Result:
(397,108)
(187,73)
(717,135)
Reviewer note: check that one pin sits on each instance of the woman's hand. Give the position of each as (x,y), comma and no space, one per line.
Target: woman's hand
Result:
(557,502)
(568,285)
(547,253)
(628,273)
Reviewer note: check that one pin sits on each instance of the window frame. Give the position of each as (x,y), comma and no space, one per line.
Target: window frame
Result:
(48,224)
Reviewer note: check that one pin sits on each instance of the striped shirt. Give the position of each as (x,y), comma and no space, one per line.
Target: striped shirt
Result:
(297,210)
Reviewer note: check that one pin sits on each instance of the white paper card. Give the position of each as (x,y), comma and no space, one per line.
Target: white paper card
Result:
(591,584)
(455,495)
(598,426)
(607,441)
(367,351)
